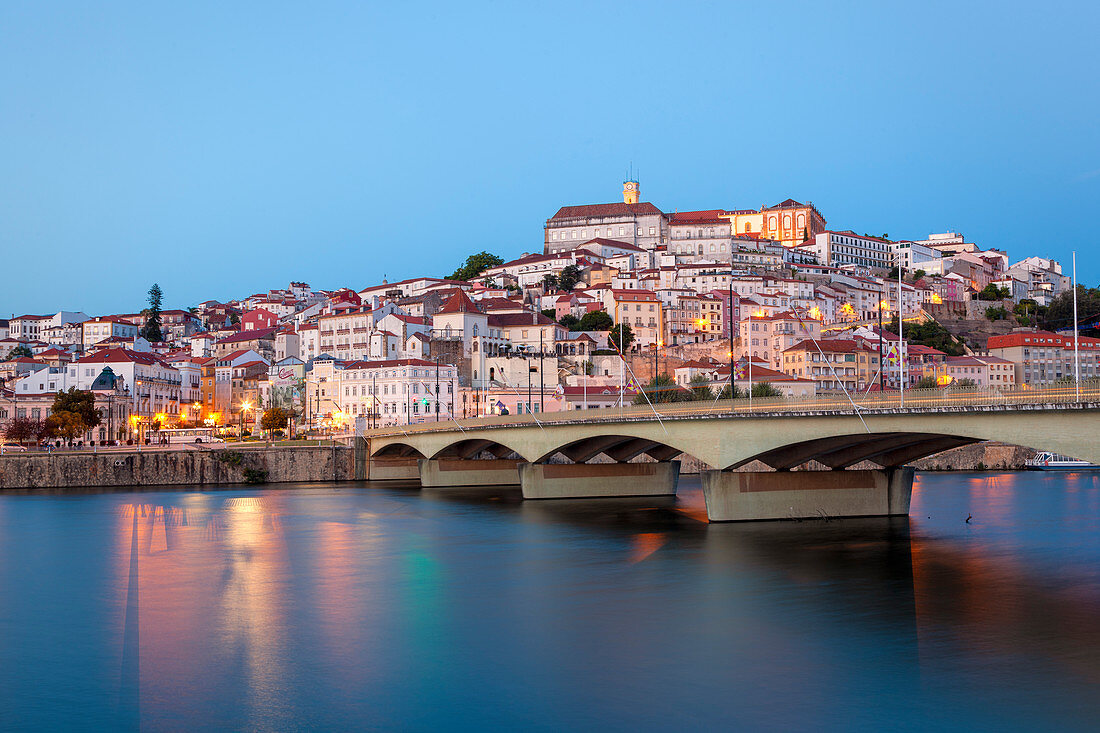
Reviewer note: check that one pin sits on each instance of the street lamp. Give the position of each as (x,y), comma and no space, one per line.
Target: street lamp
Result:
(245,406)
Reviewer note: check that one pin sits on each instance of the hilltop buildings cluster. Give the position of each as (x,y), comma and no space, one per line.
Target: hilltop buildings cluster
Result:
(772,292)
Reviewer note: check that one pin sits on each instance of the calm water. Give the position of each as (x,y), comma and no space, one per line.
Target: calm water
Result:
(374,607)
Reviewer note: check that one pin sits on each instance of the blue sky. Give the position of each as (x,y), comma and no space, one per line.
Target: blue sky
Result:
(225,148)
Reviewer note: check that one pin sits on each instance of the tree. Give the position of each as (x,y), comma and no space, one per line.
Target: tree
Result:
(569,277)
(918,275)
(234,318)
(79,402)
(151,331)
(569,321)
(621,337)
(893,275)
(20,350)
(992,292)
(930,334)
(549,313)
(964,382)
(595,321)
(996,313)
(700,388)
(549,282)
(662,388)
(764,389)
(274,419)
(1059,314)
(67,425)
(25,429)
(927,383)
(475,265)
(731,392)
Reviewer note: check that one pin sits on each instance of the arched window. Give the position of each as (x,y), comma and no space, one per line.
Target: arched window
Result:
(748,227)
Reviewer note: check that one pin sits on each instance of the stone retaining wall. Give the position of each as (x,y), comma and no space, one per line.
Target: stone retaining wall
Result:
(178,467)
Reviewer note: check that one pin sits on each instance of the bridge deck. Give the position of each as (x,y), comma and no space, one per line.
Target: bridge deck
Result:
(915,402)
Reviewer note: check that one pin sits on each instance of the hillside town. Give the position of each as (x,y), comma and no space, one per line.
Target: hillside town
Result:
(624,303)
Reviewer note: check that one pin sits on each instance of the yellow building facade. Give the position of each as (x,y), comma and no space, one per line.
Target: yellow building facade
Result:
(789,222)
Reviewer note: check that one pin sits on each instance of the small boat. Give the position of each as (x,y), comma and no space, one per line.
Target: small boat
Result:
(1047,461)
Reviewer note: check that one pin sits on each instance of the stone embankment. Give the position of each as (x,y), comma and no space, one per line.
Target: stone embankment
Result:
(192,467)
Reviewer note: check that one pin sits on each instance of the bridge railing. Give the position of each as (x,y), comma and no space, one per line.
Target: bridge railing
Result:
(923,400)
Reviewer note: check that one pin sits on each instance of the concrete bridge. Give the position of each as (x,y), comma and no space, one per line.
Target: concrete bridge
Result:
(777,459)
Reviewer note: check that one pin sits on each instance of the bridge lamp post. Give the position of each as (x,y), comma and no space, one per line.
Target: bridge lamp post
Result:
(881,367)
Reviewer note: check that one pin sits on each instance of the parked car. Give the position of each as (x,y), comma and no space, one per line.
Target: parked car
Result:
(5,447)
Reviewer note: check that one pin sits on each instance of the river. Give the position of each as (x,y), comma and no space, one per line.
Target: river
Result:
(366,606)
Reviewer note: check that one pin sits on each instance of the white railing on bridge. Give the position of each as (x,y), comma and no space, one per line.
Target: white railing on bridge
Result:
(918,400)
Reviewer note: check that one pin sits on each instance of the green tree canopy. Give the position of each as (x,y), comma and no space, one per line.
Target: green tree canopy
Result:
(595,321)
(992,292)
(1059,314)
(927,383)
(731,392)
(569,277)
(549,282)
(764,389)
(475,265)
(569,321)
(151,331)
(20,350)
(930,334)
(662,389)
(621,336)
(700,388)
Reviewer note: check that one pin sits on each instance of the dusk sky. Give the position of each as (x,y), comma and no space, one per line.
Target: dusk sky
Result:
(227,148)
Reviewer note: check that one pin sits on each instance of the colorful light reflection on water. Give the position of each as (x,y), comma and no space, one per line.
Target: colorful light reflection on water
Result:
(322,607)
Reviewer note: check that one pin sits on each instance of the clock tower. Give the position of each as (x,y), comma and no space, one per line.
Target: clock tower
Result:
(630,192)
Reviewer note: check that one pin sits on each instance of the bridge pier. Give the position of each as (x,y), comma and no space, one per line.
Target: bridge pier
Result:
(736,497)
(444,472)
(582,480)
(386,468)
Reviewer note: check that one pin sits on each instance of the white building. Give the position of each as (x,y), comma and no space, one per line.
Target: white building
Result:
(848,248)
(913,255)
(104,328)
(394,392)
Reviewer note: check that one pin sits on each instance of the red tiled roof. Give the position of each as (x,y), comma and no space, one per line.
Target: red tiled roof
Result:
(519,319)
(116,354)
(829,345)
(615,209)
(258,334)
(613,243)
(706,216)
(459,303)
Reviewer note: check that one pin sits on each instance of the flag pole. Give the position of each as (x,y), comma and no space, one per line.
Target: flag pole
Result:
(1076,360)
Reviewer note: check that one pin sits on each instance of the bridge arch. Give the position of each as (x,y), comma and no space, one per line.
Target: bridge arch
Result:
(619,448)
(397,450)
(837,452)
(471,447)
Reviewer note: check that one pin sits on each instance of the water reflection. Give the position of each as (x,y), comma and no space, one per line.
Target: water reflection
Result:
(333,608)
